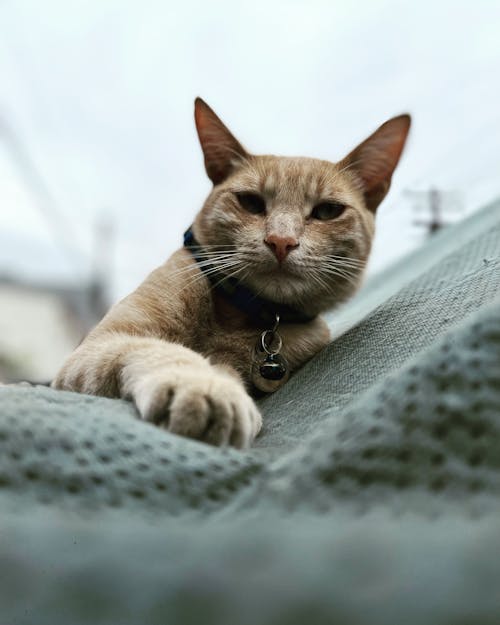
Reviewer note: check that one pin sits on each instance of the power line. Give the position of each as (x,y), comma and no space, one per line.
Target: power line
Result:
(64,235)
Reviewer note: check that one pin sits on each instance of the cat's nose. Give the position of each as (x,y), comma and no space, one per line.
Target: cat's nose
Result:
(281,246)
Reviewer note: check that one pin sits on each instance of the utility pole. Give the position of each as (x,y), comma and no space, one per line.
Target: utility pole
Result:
(437,204)
(64,232)
(101,269)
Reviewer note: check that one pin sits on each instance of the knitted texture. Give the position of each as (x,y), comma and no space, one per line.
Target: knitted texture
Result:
(371,496)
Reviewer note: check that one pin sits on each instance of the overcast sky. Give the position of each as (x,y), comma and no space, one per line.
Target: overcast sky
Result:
(99,95)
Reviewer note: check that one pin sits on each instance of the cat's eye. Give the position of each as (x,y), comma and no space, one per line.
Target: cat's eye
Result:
(252,202)
(327,210)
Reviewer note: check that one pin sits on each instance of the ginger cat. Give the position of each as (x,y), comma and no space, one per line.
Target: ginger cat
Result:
(235,311)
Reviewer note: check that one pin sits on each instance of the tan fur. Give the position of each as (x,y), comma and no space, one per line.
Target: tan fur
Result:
(180,351)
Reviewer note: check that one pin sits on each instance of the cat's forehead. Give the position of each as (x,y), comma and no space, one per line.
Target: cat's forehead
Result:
(307,178)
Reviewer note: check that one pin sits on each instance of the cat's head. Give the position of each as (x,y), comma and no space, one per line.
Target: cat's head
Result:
(295,230)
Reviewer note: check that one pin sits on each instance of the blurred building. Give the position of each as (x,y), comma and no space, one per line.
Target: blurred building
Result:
(41,324)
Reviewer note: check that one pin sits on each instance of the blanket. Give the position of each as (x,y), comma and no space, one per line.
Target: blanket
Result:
(371,496)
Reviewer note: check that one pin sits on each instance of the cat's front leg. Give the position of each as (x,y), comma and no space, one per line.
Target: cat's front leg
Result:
(181,391)
(171,386)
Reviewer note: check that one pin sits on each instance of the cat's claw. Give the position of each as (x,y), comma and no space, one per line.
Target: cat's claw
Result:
(201,404)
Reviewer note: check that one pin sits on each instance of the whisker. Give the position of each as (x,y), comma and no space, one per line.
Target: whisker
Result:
(349,277)
(207,261)
(217,245)
(212,267)
(336,265)
(213,270)
(202,264)
(319,281)
(347,259)
(325,266)
(217,253)
(232,274)
(340,259)
(353,268)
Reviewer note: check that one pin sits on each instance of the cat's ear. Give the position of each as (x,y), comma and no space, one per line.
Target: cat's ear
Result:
(221,150)
(376,158)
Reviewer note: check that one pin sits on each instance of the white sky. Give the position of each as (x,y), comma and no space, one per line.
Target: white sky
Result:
(101,94)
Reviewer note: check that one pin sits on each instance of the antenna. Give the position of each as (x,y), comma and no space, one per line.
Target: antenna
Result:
(437,204)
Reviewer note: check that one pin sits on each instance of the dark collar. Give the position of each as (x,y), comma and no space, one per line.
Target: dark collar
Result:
(262,310)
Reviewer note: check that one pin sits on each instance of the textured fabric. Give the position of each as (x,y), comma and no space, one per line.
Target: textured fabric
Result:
(371,496)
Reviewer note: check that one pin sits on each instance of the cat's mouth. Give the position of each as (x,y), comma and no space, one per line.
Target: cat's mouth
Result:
(289,266)
(283,269)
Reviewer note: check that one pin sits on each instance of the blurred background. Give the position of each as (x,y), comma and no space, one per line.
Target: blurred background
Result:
(100,169)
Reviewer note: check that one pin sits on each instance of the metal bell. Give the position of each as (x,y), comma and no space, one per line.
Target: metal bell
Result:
(273,368)
(269,369)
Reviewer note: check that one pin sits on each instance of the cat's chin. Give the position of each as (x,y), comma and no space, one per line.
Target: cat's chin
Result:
(286,285)
(280,285)
(273,269)
(276,276)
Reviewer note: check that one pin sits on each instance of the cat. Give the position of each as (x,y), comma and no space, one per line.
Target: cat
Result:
(236,310)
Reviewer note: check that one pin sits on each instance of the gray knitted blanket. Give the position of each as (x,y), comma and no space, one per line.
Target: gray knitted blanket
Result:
(371,496)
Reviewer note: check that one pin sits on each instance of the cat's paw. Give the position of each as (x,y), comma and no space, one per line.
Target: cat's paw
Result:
(200,403)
